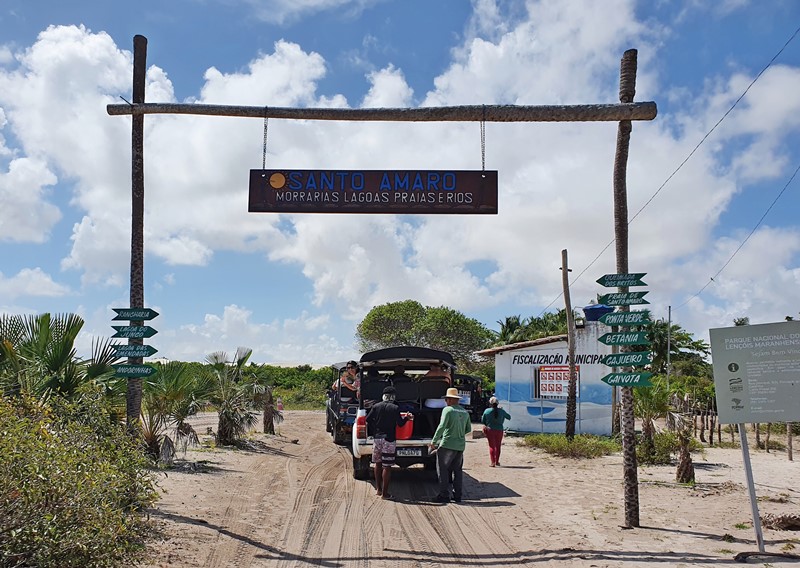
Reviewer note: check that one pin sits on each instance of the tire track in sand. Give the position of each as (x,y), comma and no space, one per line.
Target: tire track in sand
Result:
(241,526)
(323,493)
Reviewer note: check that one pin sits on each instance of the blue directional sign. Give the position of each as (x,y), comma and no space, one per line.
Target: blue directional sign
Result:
(622,298)
(631,359)
(616,280)
(134,371)
(133,331)
(134,314)
(628,379)
(626,318)
(625,338)
(134,350)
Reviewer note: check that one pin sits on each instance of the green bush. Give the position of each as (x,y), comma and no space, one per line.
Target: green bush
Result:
(72,486)
(665,445)
(582,446)
(302,398)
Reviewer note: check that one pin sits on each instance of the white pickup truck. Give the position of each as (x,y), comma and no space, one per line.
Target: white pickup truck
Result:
(405,369)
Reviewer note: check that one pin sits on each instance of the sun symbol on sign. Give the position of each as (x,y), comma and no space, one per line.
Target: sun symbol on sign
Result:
(277,180)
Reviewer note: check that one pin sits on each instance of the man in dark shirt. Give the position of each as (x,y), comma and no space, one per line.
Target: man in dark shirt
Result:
(382,420)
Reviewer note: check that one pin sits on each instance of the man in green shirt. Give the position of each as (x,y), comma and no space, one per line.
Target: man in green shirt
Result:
(449,440)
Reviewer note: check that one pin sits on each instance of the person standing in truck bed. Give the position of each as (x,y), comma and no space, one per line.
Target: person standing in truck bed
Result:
(382,422)
(451,439)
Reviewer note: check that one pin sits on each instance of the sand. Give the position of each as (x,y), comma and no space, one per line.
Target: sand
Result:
(291,500)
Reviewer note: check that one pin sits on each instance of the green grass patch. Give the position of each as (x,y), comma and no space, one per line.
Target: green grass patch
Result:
(582,446)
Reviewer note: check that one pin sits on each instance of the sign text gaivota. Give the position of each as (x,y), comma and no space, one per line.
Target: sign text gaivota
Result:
(373,191)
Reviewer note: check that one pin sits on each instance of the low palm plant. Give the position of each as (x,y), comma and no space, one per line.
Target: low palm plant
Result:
(650,404)
(38,356)
(232,395)
(169,398)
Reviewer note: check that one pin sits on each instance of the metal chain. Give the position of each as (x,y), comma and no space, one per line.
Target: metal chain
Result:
(264,156)
(483,140)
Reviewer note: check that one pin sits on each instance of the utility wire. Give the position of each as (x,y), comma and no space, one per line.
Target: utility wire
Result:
(702,140)
(774,201)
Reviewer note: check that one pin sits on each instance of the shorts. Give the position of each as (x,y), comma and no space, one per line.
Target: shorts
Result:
(383,452)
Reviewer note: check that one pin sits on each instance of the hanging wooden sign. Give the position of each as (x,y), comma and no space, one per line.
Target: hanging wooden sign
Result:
(373,191)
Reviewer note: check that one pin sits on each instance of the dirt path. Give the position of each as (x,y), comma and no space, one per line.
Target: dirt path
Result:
(291,501)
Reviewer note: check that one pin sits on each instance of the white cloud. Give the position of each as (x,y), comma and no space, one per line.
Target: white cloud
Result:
(555,179)
(25,213)
(30,282)
(306,339)
(286,11)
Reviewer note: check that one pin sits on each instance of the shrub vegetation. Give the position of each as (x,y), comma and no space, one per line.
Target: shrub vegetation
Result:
(72,485)
(582,446)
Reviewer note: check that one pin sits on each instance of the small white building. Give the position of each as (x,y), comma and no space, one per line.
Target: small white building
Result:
(531,380)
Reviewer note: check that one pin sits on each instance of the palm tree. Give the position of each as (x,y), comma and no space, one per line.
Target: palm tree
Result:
(545,325)
(681,344)
(38,355)
(508,330)
(649,405)
(231,395)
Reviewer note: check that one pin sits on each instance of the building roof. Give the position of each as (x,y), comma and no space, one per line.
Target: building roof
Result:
(522,345)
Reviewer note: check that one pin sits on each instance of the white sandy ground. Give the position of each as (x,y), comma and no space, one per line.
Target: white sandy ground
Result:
(291,501)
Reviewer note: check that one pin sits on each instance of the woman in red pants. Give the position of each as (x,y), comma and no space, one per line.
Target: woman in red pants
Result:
(493,419)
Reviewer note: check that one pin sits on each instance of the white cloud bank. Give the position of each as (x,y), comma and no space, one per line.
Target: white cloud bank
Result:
(555,179)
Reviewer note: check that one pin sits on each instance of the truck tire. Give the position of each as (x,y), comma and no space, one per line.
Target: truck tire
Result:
(328,423)
(339,436)
(361,468)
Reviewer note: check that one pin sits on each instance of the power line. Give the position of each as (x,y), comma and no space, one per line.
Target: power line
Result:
(774,201)
(702,140)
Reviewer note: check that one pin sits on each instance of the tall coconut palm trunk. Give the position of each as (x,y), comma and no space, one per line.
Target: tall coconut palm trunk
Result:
(627,89)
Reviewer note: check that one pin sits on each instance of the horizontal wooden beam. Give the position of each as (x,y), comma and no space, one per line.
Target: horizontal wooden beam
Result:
(472,113)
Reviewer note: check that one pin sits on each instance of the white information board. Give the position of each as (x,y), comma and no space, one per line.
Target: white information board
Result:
(757,372)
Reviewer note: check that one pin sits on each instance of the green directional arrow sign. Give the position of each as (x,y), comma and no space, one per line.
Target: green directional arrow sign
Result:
(628,379)
(624,338)
(134,371)
(634,359)
(134,314)
(133,331)
(622,298)
(626,318)
(134,350)
(614,280)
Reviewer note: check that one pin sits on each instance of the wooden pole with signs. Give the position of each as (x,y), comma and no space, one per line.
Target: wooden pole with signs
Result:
(627,89)
(133,397)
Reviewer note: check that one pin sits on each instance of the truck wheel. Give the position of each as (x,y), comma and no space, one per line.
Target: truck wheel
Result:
(328,425)
(361,467)
(339,437)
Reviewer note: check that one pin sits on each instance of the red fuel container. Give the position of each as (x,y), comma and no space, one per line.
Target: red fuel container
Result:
(404,432)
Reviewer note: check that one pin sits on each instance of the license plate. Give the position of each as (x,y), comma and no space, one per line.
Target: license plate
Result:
(409,452)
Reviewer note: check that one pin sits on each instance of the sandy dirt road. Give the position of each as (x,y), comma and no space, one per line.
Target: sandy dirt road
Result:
(291,501)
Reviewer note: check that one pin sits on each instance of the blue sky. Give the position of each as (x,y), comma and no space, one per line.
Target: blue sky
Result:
(293,287)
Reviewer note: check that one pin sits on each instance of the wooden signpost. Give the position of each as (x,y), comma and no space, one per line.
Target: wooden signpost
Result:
(134,350)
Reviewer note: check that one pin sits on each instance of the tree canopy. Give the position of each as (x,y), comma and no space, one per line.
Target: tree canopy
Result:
(514,329)
(410,323)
